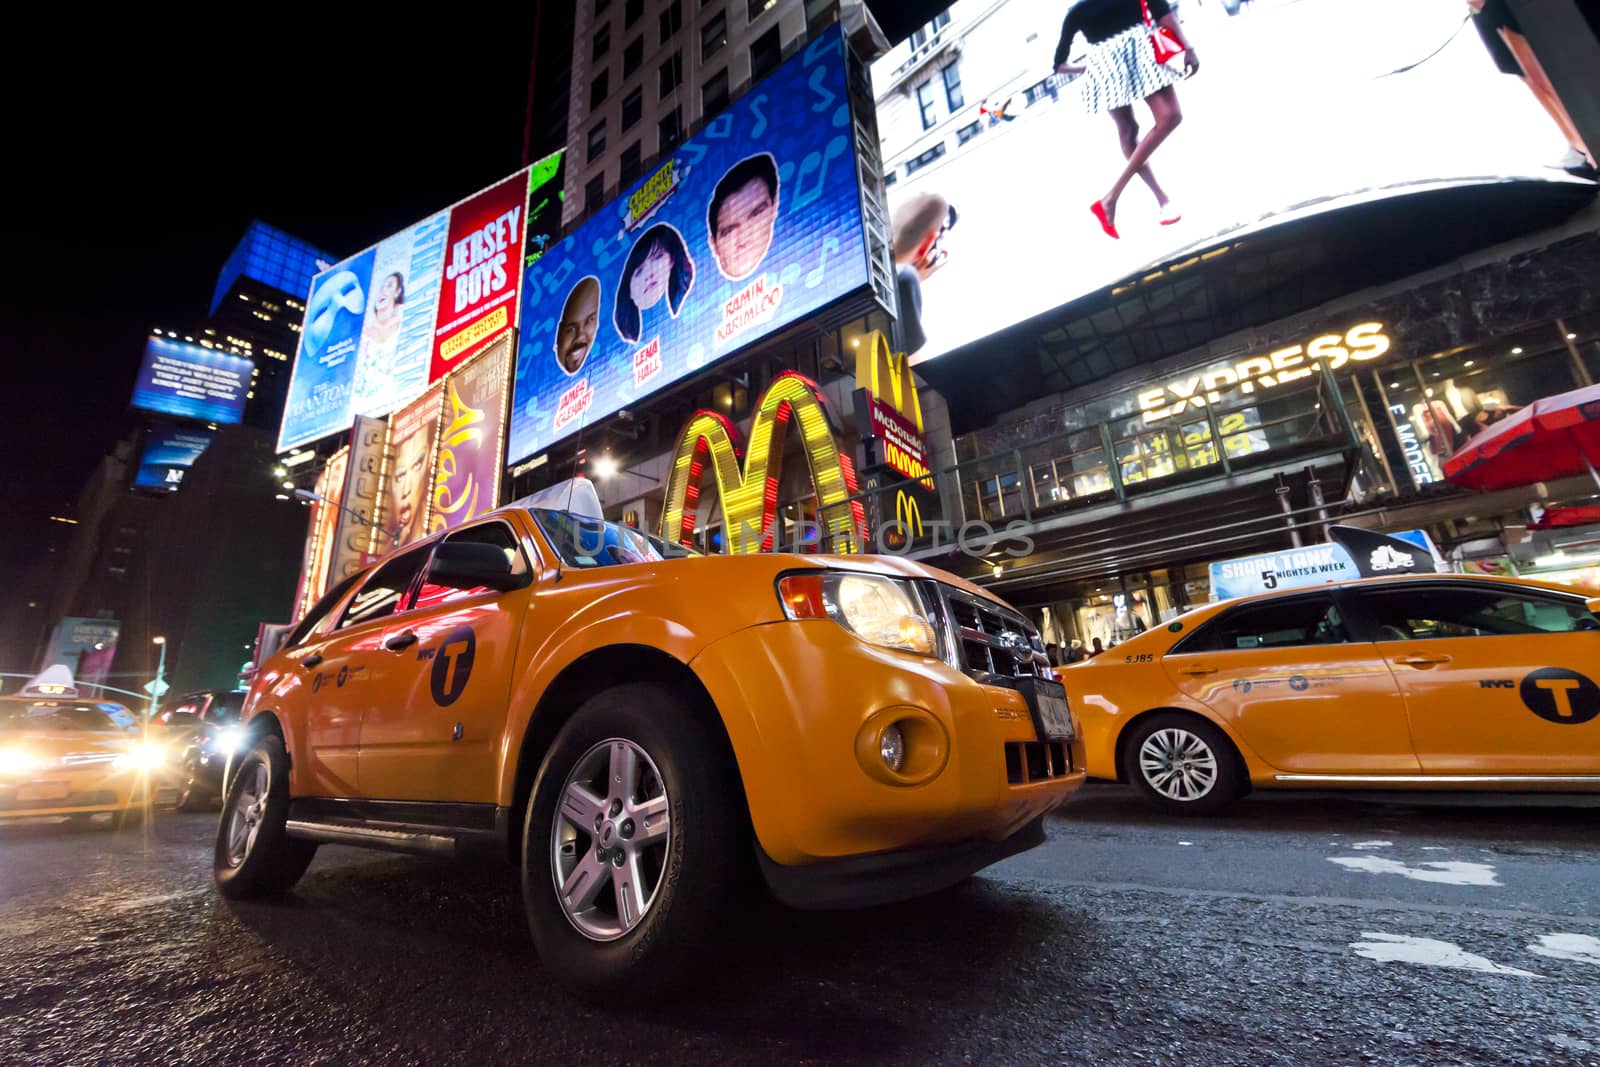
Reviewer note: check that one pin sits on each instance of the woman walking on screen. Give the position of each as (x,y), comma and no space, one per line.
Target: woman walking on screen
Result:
(1121,69)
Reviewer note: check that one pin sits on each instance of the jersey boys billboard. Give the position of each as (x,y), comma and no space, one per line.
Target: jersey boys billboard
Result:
(383,324)
(751,225)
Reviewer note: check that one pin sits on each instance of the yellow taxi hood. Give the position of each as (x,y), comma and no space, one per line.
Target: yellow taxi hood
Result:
(895,566)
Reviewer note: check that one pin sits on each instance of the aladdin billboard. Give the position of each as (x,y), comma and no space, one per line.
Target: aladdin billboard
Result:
(752,225)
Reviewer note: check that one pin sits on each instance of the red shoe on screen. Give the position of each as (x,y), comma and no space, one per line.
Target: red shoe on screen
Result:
(1099,209)
(1170,214)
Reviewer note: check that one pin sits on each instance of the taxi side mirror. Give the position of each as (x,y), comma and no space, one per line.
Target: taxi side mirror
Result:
(468,565)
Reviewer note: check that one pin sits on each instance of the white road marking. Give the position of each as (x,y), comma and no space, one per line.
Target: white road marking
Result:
(1369,845)
(1403,948)
(1448,872)
(1185,842)
(1434,848)
(1580,947)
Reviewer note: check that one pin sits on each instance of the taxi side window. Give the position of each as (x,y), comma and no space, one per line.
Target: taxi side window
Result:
(386,589)
(497,534)
(1419,614)
(319,611)
(1273,624)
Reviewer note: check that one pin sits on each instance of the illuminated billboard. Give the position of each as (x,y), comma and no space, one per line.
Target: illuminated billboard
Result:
(998,164)
(192,382)
(169,452)
(466,480)
(383,324)
(753,224)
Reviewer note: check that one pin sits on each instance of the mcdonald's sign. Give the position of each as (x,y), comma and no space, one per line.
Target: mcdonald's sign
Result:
(747,480)
(893,407)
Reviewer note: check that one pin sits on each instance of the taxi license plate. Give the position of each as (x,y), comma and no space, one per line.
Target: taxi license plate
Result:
(44,791)
(1048,702)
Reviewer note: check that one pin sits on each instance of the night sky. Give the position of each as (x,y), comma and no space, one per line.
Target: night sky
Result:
(138,154)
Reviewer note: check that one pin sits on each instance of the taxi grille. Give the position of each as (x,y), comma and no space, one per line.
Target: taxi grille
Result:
(987,641)
(1034,761)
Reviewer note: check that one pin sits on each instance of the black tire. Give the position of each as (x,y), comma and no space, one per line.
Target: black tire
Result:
(274,861)
(695,879)
(1198,741)
(192,796)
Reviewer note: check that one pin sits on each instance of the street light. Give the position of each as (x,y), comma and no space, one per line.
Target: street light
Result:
(306,494)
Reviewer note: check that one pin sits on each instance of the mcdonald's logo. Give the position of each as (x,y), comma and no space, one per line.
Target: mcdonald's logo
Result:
(908,513)
(878,368)
(750,495)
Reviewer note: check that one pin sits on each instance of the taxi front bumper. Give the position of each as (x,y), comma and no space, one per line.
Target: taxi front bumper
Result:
(82,792)
(801,702)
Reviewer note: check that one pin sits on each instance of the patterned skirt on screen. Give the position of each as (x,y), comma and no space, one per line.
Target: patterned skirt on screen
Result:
(1122,70)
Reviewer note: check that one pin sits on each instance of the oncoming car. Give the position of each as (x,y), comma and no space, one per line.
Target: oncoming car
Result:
(635,732)
(78,758)
(1426,682)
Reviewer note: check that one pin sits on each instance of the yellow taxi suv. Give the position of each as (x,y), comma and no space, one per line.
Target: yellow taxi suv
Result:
(1433,681)
(77,758)
(642,732)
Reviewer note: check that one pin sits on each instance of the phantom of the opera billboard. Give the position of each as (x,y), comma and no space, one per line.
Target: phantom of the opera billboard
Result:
(752,225)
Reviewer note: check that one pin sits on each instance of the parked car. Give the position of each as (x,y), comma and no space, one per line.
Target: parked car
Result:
(1434,681)
(632,731)
(78,758)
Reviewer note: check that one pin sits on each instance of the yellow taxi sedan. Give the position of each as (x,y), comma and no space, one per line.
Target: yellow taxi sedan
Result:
(78,758)
(1425,682)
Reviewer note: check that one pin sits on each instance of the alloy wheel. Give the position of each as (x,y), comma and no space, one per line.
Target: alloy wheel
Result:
(1178,764)
(249,809)
(610,840)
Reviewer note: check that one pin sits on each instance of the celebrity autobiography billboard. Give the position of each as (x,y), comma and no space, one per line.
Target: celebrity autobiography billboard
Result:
(751,225)
(383,324)
(1006,129)
(169,452)
(413,440)
(471,436)
(192,382)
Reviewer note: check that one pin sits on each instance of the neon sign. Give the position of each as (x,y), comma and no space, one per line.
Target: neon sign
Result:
(750,495)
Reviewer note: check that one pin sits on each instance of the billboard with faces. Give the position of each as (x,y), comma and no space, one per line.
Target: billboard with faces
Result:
(750,226)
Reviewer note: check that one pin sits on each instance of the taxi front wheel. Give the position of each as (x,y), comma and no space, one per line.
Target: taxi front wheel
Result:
(631,843)
(1182,764)
(255,856)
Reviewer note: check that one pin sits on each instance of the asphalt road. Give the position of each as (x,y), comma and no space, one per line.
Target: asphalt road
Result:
(1128,938)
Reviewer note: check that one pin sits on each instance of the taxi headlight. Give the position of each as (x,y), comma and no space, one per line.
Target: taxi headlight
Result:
(16,761)
(145,757)
(874,607)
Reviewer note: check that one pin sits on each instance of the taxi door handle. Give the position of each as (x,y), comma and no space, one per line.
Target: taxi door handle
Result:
(1197,669)
(1421,661)
(311,660)
(401,641)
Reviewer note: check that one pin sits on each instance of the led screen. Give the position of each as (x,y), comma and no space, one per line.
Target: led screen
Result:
(192,382)
(752,224)
(1296,107)
(168,454)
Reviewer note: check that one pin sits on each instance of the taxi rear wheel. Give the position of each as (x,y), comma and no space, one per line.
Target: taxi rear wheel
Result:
(631,843)
(255,856)
(1182,764)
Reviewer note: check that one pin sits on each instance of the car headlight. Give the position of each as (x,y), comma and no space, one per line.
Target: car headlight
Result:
(16,761)
(229,740)
(144,757)
(874,607)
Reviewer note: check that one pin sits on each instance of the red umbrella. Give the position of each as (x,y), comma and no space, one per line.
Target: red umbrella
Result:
(1555,437)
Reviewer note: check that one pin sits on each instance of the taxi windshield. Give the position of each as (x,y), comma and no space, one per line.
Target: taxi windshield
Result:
(586,542)
(50,716)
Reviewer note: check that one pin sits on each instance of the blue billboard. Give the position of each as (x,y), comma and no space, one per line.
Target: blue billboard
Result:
(192,382)
(323,378)
(753,224)
(1294,568)
(169,452)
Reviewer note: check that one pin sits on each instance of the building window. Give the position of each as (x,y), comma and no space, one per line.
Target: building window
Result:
(598,90)
(633,56)
(632,11)
(760,7)
(671,130)
(765,55)
(671,73)
(597,140)
(594,192)
(713,35)
(914,165)
(671,20)
(632,108)
(714,94)
(819,13)
(968,132)
(630,165)
(602,41)
(952,88)
(890,178)
(930,32)
(925,105)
